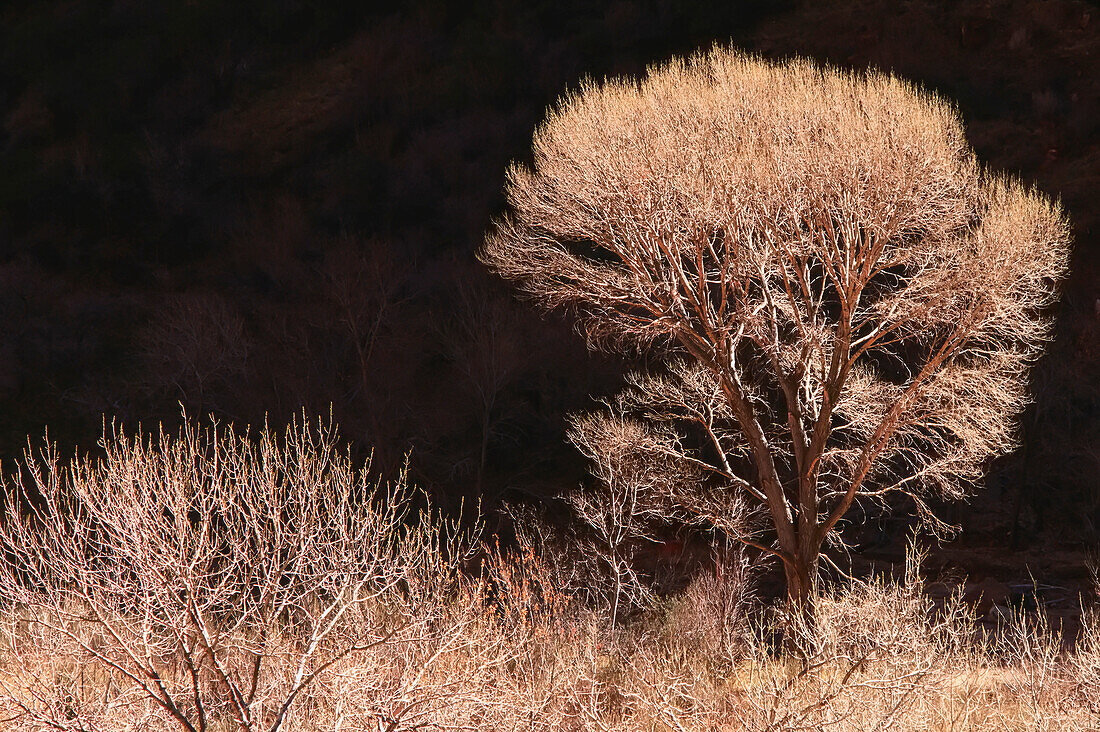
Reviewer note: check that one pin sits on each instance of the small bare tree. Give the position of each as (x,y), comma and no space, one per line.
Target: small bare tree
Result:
(196,347)
(477,335)
(644,481)
(621,514)
(857,299)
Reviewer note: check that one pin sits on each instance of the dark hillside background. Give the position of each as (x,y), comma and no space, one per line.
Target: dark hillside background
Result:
(254,208)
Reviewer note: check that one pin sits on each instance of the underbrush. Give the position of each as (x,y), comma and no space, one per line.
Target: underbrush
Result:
(212,581)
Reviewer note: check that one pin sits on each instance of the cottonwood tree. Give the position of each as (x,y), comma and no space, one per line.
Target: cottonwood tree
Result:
(853,299)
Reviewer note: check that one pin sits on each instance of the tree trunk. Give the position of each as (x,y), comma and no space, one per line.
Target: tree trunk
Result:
(800,586)
(801,597)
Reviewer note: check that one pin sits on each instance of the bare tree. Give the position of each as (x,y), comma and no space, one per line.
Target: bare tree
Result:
(622,513)
(365,291)
(479,335)
(822,248)
(194,348)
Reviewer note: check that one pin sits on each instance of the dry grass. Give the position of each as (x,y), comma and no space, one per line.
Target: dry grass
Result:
(421,646)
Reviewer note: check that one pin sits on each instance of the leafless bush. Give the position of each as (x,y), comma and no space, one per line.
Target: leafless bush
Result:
(1053,683)
(1084,664)
(714,612)
(642,484)
(206,578)
(621,512)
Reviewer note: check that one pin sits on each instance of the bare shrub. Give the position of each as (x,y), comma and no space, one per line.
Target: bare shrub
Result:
(862,661)
(621,512)
(205,578)
(641,487)
(712,616)
(1084,664)
(1053,684)
(885,620)
(882,655)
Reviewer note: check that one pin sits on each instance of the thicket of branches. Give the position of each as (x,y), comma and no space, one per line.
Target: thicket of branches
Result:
(850,301)
(209,577)
(205,581)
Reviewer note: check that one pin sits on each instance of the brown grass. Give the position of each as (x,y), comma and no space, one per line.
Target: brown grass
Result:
(506,647)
